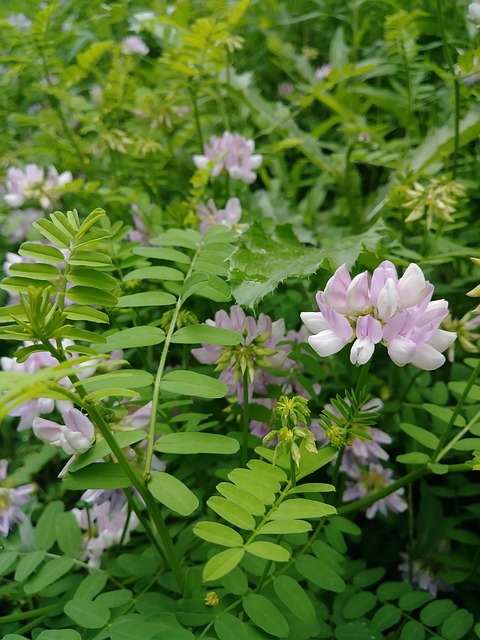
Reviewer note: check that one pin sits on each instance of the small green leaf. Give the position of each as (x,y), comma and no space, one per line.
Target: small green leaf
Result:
(133,337)
(162,253)
(265,615)
(218,534)
(45,533)
(228,627)
(358,605)
(239,496)
(190,383)
(222,563)
(49,573)
(101,449)
(319,573)
(107,475)
(312,487)
(69,534)
(197,442)
(434,613)
(422,436)
(301,508)
(87,613)
(413,630)
(81,312)
(387,616)
(232,512)
(293,596)
(154,273)
(92,278)
(130,378)
(147,299)
(63,634)
(90,295)
(28,564)
(90,259)
(37,271)
(457,625)
(205,333)
(393,590)
(413,458)
(268,550)
(41,252)
(285,527)
(414,599)
(50,232)
(171,492)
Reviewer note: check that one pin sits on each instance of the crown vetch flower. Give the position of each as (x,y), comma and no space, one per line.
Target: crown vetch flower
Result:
(11,500)
(259,350)
(368,482)
(31,183)
(209,214)
(382,308)
(134,44)
(230,152)
(75,436)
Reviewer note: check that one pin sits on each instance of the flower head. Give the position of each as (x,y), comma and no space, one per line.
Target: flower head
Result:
(369,481)
(134,44)
(382,308)
(209,214)
(32,184)
(75,436)
(258,351)
(232,153)
(11,499)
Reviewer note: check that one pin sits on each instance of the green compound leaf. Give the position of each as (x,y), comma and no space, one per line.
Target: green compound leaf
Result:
(190,383)
(295,599)
(422,436)
(200,442)
(171,492)
(265,615)
(133,337)
(147,299)
(267,257)
(205,333)
(222,563)
(87,613)
(300,508)
(231,512)
(268,550)
(218,534)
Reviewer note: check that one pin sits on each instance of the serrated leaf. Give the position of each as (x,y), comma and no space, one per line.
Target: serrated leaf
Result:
(267,257)
(173,493)
(218,534)
(193,442)
(205,333)
(147,299)
(221,564)
(190,383)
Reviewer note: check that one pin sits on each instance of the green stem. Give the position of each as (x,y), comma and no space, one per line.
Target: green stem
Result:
(245,420)
(196,114)
(448,429)
(456,86)
(383,493)
(458,437)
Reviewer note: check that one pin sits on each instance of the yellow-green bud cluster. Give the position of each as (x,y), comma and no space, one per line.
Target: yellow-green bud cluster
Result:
(337,437)
(246,357)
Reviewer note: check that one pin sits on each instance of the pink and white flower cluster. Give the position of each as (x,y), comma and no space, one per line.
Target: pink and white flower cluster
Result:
(381,308)
(367,482)
(210,216)
(104,522)
(32,184)
(75,436)
(134,44)
(231,153)
(11,501)
(260,348)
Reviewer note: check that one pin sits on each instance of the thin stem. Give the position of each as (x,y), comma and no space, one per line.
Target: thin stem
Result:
(458,437)
(196,114)
(245,420)
(448,429)
(456,86)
